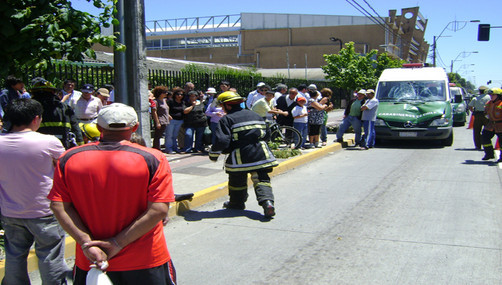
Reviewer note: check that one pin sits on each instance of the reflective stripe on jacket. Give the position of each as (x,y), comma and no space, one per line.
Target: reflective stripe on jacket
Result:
(242,134)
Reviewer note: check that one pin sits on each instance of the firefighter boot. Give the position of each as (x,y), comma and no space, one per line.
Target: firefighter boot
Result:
(237,200)
(489,154)
(268,209)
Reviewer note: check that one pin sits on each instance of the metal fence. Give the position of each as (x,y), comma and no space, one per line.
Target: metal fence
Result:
(99,75)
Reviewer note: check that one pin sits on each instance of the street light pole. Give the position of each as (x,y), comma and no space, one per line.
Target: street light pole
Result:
(337,40)
(464,55)
(435,39)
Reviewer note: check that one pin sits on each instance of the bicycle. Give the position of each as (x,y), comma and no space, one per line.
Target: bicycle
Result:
(285,136)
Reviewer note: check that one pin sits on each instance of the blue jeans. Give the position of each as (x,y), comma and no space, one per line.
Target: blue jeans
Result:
(324,133)
(171,135)
(189,135)
(213,127)
(346,123)
(49,240)
(303,128)
(369,133)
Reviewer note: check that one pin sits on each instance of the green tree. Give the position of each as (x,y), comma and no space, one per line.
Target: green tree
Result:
(461,82)
(35,32)
(385,61)
(349,70)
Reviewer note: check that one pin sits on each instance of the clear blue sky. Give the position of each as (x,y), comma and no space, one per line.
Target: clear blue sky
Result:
(475,67)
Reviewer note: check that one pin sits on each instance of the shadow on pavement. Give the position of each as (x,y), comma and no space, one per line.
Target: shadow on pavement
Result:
(469,149)
(404,144)
(480,162)
(193,216)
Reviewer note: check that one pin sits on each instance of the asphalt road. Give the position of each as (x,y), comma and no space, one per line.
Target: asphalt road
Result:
(402,213)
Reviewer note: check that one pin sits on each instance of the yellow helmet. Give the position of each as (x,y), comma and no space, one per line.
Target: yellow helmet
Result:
(90,131)
(230,97)
(496,91)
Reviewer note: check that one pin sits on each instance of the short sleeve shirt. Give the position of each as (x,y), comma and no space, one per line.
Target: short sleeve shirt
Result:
(110,185)
(87,109)
(26,171)
(370,114)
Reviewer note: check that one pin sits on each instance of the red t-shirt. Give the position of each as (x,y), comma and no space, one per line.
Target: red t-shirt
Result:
(110,185)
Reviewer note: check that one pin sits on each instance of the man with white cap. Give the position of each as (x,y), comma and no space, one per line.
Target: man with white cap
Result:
(250,100)
(352,117)
(111,196)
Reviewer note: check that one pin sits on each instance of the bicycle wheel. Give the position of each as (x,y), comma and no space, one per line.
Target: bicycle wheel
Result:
(287,137)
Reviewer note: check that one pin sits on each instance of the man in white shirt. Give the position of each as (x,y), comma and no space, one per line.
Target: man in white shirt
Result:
(281,89)
(69,92)
(250,100)
(87,106)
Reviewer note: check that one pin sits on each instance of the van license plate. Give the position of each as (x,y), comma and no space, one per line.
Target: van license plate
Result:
(407,134)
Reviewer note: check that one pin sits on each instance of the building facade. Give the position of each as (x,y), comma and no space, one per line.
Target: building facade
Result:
(266,40)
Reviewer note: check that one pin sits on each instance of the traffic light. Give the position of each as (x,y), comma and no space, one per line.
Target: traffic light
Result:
(484,32)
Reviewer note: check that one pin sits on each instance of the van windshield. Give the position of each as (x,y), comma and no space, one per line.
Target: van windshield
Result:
(406,91)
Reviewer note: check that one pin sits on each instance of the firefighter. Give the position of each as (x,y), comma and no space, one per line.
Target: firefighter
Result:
(241,134)
(58,118)
(493,111)
(90,132)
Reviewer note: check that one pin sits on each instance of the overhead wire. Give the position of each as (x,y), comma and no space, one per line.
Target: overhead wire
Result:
(380,22)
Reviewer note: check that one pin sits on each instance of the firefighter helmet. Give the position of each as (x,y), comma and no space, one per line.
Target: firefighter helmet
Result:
(90,131)
(496,91)
(230,97)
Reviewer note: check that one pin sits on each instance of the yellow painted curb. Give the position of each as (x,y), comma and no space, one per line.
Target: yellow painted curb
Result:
(200,198)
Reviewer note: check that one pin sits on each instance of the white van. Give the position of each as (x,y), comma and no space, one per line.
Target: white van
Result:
(414,104)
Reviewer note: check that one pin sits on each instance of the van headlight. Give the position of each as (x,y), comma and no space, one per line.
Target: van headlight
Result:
(380,123)
(441,122)
(460,109)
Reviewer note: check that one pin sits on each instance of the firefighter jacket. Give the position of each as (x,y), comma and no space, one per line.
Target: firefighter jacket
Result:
(242,134)
(58,119)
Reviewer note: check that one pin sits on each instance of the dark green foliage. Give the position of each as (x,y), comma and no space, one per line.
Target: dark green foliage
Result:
(35,32)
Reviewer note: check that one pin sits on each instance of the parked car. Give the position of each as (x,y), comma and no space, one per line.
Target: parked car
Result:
(458,105)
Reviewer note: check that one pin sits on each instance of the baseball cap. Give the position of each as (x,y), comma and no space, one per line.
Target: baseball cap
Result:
(260,84)
(104,92)
(362,91)
(301,98)
(312,86)
(370,91)
(89,88)
(211,90)
(117,117)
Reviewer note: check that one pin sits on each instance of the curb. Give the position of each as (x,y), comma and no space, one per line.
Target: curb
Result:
(202,197)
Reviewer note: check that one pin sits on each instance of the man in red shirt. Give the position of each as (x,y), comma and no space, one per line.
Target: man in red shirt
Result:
(111,197)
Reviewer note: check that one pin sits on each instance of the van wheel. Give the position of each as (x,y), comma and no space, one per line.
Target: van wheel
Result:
(449,140)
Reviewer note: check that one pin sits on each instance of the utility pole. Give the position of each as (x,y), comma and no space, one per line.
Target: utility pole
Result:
(131,73)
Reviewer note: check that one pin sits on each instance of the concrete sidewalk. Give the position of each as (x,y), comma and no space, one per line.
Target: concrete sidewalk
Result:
(195,173)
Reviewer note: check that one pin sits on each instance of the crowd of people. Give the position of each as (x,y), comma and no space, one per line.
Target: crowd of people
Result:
(62,157)
(187,118)
(487,115)
(360,113)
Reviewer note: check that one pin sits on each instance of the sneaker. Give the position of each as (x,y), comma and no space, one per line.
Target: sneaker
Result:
(365,148)
(268,209)
(323,144)
(234,206)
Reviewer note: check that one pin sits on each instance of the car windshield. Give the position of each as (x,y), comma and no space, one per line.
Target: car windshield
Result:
(409,91)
